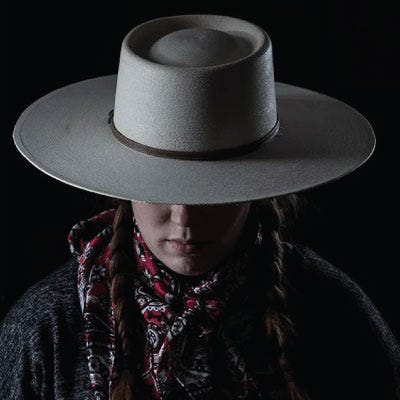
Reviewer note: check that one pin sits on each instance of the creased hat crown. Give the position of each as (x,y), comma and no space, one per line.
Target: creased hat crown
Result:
(198,47)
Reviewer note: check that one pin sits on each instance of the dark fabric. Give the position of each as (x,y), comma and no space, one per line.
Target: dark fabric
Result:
(345,350)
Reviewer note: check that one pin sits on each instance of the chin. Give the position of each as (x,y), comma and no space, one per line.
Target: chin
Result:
(188,268)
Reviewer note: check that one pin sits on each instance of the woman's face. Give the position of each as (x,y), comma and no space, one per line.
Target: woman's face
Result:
(214,229)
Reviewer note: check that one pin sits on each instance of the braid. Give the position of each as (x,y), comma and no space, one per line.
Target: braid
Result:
(279,327)
(121,268)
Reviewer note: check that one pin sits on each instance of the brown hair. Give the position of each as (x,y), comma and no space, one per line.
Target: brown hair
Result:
(279,327)
(273,214)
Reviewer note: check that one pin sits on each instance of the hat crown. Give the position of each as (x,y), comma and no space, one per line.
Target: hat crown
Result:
(198,47)
(195,85)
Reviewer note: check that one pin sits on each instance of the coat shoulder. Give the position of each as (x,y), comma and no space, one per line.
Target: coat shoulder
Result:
(343,339)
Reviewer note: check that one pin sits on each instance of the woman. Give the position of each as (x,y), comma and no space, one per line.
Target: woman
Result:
(194,151)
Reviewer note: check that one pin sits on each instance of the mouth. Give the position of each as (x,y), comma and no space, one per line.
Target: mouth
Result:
(186,247)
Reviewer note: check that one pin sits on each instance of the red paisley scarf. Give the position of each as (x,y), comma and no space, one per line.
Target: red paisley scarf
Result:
(196,330)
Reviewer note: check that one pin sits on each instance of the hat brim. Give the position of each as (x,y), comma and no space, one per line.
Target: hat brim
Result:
(66,135)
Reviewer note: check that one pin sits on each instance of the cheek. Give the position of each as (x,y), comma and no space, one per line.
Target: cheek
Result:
(149,215)
(150,230)
(148,221)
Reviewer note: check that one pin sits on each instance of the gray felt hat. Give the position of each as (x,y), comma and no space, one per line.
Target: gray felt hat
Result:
(194,116)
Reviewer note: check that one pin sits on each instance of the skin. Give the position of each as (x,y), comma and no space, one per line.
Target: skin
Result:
(219,225)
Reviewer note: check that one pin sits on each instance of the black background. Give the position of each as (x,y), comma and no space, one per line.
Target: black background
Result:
(347,51)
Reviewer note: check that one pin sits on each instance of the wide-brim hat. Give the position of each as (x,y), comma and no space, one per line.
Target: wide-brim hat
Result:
(194,116)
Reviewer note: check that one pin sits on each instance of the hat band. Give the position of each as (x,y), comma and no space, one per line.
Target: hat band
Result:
(219,154)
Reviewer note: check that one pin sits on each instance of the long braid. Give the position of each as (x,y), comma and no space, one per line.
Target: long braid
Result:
(279,327)
(121,268)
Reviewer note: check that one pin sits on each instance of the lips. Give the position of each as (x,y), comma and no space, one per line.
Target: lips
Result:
(186,247)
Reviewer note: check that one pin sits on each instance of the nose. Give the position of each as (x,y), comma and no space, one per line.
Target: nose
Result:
(185,215)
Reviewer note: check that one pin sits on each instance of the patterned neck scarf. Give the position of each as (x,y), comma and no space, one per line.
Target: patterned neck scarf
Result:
(194,330)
